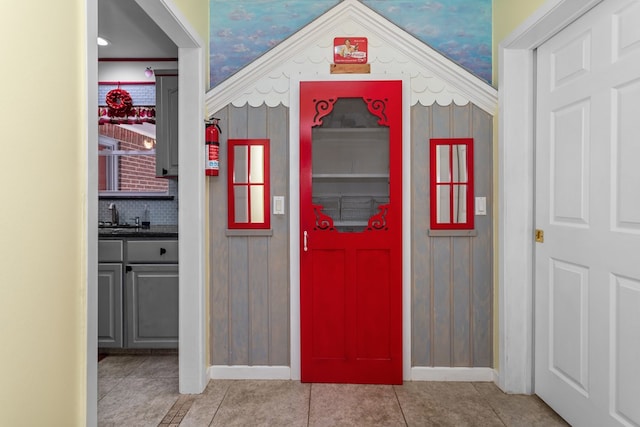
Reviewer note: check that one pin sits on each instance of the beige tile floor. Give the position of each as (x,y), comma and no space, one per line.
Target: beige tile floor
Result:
(143,391)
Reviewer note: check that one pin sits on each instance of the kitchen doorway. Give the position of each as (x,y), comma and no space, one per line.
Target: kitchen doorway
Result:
(192,361)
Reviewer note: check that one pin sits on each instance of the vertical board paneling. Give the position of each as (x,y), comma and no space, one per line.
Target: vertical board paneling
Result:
(482,316)
(462,265)
(257,265)
(239,301)
(257,122)
(278,130)
(258,268)
(442,313)
(461,283)
(461,122)
(440,122)
(238,122)
(421,282)
(441,251)
(451,276)
(219,256)
(249,273)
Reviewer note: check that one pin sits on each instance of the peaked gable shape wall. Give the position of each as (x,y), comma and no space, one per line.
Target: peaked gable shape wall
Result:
(392,51)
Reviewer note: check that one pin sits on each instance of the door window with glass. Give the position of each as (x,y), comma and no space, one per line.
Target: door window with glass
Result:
(350,152)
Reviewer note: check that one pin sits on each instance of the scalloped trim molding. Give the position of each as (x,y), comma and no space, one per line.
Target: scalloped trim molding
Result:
(392,51)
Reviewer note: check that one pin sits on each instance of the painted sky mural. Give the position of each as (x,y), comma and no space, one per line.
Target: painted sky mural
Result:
(243,30)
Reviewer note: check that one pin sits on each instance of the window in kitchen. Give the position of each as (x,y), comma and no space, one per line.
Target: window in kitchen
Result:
(451,187)
(127,164)
(248,184)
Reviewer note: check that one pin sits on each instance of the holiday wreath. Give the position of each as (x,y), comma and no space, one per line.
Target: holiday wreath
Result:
(119,102)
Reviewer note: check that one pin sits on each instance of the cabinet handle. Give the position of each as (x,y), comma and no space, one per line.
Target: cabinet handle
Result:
(163,251)
(305,240)
(164,171)
(128,268)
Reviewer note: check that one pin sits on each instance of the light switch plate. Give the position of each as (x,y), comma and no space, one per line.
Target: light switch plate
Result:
(481,205)
(278,205)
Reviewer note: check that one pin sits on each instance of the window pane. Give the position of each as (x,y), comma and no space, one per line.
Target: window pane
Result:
(127,165)
(257,164)
(459,203)
(442,164)
(240,172)
(459,153)
(240,195)
(257,204)
(443,197)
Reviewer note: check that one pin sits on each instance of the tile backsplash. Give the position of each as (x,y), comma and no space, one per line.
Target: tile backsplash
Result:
(162,212)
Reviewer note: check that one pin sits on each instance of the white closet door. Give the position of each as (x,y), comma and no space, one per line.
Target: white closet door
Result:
(587,270)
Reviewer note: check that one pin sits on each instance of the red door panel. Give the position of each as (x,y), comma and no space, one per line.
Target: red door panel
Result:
(351,231)
(328,303)
(373,294)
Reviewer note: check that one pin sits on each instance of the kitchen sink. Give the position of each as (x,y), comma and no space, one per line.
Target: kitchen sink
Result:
(110,226)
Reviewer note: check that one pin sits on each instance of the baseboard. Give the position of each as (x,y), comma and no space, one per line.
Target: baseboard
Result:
(452,374)
(244,372)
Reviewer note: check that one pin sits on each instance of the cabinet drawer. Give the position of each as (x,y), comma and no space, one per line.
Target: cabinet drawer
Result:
(152,251)
(110,251)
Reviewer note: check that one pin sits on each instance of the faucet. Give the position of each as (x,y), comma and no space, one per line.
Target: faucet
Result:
(114,214)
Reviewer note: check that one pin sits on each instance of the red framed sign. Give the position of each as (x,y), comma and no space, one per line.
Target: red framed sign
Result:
(350,50)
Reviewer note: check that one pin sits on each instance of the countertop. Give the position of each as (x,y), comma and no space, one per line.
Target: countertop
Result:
(153,231)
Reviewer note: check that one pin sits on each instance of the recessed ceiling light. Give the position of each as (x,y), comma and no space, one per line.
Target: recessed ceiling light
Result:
(102,42)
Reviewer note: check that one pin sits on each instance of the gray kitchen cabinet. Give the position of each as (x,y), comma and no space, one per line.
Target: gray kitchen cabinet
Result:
(152,306)
(110,305)
(110,325)
(152,294)
(138,293)
(166,123)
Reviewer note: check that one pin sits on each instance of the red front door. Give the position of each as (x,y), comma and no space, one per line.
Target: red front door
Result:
(351,231)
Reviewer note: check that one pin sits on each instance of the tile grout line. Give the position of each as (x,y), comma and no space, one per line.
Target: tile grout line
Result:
(220,404)
(485,400)
(178,411)
(400,405)
(309,406)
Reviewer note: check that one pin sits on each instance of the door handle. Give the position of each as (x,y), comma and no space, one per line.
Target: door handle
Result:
(163,251)
(305,241)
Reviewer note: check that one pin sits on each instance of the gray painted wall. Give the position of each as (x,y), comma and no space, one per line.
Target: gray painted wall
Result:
(250,273)
(451,275)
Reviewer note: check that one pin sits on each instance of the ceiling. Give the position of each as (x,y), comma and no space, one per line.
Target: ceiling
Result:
(131,32)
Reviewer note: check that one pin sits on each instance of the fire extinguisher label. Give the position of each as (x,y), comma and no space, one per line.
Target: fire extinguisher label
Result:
(212,164)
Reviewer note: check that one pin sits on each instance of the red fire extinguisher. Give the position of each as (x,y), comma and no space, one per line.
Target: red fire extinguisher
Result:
(212,148)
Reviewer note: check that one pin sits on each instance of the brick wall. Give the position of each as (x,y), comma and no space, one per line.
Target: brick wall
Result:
(136,173)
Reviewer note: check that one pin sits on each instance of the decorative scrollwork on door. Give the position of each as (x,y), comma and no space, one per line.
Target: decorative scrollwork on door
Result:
(377,108)
(379,220)
(323,108)
(323,221)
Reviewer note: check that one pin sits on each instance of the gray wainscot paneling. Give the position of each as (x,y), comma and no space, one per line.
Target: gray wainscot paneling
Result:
(250,269)
(452,273)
